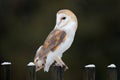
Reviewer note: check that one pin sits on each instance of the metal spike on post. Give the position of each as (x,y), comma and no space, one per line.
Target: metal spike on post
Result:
(112,72)
(90,72)
(6,72)
(32,72)
(57,73)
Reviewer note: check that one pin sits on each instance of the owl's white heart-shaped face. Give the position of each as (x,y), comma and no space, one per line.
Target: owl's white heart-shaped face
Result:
(65,18)
(62,20)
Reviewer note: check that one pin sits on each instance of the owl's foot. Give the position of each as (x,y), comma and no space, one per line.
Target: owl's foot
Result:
(60,63)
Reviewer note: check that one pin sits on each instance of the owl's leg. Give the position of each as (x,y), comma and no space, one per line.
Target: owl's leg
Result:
(47,66)
(48,63)
(60,62)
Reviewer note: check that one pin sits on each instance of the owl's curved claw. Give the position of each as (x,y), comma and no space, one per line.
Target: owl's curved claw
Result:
(60,63)
(66,67)
(62,66)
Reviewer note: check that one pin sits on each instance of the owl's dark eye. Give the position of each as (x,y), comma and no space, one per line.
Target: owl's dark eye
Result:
(63,18)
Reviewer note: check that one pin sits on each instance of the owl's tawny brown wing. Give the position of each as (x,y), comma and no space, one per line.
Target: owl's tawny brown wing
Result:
(54,39)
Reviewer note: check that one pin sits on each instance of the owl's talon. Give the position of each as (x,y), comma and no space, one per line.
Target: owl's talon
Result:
(66,67)
(62,65)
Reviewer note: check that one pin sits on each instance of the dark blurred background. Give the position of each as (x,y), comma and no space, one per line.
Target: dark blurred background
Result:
(24,25)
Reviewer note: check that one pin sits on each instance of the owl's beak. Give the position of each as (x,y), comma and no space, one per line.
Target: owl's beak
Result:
(59,22)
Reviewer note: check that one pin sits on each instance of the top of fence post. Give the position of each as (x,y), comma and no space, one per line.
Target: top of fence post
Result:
(90,66)
(112,72)
(90,72)
(32,72)
(6,70)
(30,64)
(6,63)
(111,66)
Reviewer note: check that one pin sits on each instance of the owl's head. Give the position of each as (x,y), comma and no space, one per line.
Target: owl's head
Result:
(65,17)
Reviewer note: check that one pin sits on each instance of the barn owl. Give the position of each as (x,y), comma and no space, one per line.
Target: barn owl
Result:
(57,42)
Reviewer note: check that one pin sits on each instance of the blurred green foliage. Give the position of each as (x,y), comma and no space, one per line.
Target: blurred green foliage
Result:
(24,25)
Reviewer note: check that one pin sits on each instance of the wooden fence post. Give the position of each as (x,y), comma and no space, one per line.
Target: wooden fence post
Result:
(57,73)
(90,72)
(6,70)
(112,72)
(32,72)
